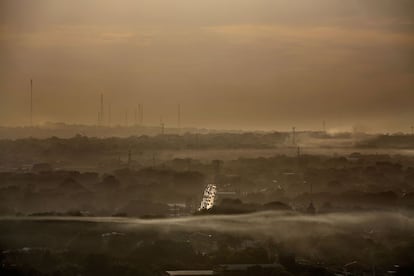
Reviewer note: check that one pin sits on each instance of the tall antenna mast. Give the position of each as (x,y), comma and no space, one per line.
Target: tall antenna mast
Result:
(109,114)
(142,114)
(135,116)
(126,118)
(179,118)
(294,135)
(31,103)
(162,126)
(102,111)
(139,115)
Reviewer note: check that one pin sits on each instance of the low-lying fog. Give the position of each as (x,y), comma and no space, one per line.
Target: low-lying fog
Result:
(282,226)
(380,238)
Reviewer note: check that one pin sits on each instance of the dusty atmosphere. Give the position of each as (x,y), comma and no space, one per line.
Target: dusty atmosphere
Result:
(195,138)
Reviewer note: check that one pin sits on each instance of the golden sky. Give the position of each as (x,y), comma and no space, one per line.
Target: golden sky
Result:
(257,64)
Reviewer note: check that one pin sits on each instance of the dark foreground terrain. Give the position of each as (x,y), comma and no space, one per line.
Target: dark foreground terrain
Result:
(130,206)
(292,243)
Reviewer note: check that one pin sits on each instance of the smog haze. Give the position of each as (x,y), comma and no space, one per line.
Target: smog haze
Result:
(236,64)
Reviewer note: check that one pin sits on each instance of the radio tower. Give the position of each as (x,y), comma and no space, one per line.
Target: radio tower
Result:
(162,125)
(101,121)
(294,135)
(135,116)
(126,118)
(141,114)
(179,118)
(109,114)
(31,103)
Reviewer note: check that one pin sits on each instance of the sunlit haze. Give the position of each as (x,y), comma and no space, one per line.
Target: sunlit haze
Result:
(234,64)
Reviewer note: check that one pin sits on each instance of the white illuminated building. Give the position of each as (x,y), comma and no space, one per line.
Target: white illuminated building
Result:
(208,198)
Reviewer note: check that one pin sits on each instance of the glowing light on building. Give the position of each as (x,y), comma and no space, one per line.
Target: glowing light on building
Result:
(208,197)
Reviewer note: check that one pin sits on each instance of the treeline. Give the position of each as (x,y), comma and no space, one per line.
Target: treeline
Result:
(145,192)
(83,144)
(399,141)
(344,181)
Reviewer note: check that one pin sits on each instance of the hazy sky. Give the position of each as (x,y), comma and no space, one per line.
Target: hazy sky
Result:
(259,64)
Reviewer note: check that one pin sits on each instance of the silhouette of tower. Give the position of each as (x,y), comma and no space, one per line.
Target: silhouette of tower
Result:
(31,102)
(162,126)
(101,121)
(141,114)
(311,208)
(179,118)
(293,135)
(109,114)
